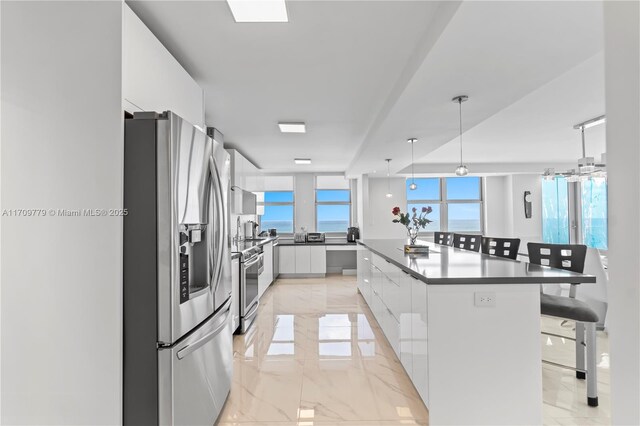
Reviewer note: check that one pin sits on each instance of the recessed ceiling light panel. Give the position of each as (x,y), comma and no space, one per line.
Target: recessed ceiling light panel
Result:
(258,10)
(302,161)
(292,127)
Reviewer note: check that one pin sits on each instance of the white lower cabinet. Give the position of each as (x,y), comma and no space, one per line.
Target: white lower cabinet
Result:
(378,309)
(266,278)
(287,260)
(303,259)
(420,371)
(364,273)
(318,259)
(391,329)
(398,302)
(405,315)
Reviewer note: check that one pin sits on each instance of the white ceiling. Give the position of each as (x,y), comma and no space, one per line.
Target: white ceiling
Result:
(332,66)
(366,75)
(537,129)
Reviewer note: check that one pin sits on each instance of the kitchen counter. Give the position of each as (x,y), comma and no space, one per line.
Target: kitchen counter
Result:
(449,265)
(473,329)
(328,242)
(245,245)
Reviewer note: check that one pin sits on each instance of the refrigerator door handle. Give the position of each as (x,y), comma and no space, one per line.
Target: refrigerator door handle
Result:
(220,222)
(182,353)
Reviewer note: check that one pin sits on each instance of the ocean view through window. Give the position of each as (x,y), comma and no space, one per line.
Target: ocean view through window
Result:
(278,211)
(456,202)
(589,215)
(333,210)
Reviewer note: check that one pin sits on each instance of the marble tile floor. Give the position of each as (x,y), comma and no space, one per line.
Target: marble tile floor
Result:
(316,357)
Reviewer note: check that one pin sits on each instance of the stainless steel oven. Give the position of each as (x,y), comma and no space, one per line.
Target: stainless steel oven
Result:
(252,265)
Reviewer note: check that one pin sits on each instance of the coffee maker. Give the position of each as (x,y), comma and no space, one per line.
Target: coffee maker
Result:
(353,234)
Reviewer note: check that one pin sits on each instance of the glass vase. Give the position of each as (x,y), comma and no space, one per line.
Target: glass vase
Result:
(413,235)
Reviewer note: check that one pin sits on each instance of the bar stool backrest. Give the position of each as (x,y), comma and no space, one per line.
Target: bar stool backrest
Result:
(443,238)
(467,241)
(501,247)
(562,256)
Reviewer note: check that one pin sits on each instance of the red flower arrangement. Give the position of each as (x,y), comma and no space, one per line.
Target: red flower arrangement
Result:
(413,221)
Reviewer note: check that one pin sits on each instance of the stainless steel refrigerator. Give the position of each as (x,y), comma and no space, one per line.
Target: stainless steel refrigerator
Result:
(178,351)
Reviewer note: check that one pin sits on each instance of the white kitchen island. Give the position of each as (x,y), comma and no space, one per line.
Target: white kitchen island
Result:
(465,326)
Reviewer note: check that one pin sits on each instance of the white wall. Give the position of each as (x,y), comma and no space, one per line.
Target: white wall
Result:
(498,206)
(305,201)
(378,223)
(153,80)
(521,227)
(622,86)
(504,207)
(62,148)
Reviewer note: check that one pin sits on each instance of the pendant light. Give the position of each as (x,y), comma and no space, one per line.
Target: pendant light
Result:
(413,185)
(461,170)
(389,194)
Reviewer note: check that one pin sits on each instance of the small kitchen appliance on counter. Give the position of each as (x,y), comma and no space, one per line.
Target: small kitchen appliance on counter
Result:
(315,237)
(353,234)
(251,230)
(300,237)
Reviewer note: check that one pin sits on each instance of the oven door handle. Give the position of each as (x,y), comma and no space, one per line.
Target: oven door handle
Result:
(252,262)
(252,309)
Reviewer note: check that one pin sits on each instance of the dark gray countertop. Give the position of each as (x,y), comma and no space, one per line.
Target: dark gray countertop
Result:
(449,265)
(328,242)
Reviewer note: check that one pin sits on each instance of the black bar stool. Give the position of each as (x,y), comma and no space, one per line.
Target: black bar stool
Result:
(571,257)
(502,247)
(443,238)
(467,241)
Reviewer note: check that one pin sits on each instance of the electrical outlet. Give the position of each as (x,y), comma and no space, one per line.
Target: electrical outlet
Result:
(485,298)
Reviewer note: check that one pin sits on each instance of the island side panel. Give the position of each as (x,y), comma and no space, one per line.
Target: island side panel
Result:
(484,362)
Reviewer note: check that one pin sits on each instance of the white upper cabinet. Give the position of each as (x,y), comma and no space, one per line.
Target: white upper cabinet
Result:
(152,79)
(244,173)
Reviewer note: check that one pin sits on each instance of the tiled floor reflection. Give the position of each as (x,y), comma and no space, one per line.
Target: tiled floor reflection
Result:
(316,357)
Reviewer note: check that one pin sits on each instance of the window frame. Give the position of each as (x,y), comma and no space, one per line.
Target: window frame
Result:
(332,203)
(444,202)
(292,203)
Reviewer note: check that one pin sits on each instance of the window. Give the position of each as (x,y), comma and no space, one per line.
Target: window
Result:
(588,213)
(333,204)
(456,202)
(555,211)
(594,213)
(278,211)
(333,210)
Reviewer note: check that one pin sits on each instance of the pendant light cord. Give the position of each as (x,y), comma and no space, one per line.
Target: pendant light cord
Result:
(412,175)
(388,177)
(460,104)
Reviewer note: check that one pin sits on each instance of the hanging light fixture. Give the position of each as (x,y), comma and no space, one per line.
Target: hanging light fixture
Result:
(389,194)
(461,170)
(413,185)
(587,166)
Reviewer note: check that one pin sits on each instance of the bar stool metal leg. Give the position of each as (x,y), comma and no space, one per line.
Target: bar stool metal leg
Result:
(592,376)
(580,355)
